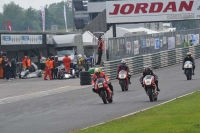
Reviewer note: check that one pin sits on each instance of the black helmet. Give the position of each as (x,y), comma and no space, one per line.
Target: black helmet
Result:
(147,69)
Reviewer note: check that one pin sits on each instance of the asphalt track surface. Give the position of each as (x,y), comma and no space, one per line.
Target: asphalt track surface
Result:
(76,108)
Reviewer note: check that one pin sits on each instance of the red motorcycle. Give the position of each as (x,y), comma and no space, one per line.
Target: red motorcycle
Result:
(102,87)
(123,80)
(150,87)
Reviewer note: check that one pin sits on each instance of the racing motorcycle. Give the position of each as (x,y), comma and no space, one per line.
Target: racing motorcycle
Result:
(123,80)
(188,69)
(100,85)
(76,68)
(150,87)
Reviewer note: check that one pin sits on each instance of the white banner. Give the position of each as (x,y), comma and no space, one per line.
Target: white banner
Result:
(171,42)
(136,47)
(148,44)
(151,10)
(65,18)
(178,39)
(7,39)
(164,40)
(128,46)
(152,42)
(43,17)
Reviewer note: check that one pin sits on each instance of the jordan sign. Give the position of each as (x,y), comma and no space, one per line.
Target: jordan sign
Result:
(151,10)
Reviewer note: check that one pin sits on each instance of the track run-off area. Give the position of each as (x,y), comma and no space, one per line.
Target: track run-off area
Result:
(61,106)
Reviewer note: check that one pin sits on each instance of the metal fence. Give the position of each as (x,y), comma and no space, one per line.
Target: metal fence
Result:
(130,46)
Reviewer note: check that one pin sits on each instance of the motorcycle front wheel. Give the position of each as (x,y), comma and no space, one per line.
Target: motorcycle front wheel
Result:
(103,96)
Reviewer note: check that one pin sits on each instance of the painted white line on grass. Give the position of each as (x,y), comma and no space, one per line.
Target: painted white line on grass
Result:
(140,110)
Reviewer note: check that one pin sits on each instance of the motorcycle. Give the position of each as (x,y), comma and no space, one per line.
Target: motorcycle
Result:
(123,80)
(101,86)
(150,87)
(76,68)
(188,69)
(62,74)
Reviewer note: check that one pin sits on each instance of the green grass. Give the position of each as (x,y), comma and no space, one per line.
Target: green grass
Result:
(179,116)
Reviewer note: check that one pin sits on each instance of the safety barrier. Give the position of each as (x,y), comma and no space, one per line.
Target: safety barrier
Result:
(155,60)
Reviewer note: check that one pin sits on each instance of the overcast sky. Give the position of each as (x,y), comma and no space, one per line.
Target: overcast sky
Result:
(27,3)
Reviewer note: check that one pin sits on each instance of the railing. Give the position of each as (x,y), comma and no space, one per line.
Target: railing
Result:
(131,46)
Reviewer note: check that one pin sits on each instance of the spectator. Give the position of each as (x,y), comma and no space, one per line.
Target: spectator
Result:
(52,65)
(13,67)
(28,62)
(67,62)
(24,62)
(1,67)
(7,69)
(100,49)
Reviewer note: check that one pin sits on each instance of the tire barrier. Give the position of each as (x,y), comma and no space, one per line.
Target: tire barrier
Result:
(85,78)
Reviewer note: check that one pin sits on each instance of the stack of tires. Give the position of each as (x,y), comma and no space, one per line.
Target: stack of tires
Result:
(85,78)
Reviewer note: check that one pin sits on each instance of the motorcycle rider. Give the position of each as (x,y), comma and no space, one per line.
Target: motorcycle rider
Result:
(124,67)
(189,58)
(148,71)
(98,74)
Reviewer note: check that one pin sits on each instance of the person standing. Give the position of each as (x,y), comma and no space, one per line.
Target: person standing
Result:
(100,49)
(28,60)
(56,64)
(24,62)
(1,67)
(7,69)
(13,67)
(47,69)
(67,62)
(51,63)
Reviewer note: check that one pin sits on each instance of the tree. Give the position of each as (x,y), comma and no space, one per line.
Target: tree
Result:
(14,13)
(2,27)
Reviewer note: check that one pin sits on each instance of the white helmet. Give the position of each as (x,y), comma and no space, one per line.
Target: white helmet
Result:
(123,62)
(79,56)
(189,54)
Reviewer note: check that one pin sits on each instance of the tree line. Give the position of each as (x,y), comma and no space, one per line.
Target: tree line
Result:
(21,18)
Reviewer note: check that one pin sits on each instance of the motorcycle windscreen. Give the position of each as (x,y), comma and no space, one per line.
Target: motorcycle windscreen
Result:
(147,77)
(100,80)
(122,72)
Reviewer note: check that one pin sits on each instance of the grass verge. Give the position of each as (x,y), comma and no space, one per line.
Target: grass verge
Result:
(179,116)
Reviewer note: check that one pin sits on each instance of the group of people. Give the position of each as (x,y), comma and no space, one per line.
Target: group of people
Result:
(7,68)
(52,63)
(147,71)
(26,63)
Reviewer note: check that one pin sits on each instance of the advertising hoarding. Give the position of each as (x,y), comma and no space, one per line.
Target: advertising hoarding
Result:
(7,39)
(151,10)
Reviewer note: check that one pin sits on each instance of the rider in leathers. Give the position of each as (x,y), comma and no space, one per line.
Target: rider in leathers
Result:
(98,74)
(189,58)
(124,67)
(148,71)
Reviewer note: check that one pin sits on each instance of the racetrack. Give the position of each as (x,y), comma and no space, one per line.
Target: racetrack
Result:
(76,109)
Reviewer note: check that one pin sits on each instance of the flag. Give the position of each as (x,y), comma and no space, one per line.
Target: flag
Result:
(28,28)
(65,18)
(9,26)
(43,18)
(5,24)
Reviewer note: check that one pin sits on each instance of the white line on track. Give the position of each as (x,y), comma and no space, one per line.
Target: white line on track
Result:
(34,95)
(140,110)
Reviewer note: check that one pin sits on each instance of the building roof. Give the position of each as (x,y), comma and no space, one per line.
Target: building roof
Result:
(122,31)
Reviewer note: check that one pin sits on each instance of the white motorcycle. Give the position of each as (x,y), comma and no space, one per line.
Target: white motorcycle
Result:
(188,69)
(123,80)
(150,87)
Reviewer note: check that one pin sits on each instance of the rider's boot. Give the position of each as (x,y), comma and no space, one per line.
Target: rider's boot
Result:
(157,86)
(129,80)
